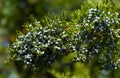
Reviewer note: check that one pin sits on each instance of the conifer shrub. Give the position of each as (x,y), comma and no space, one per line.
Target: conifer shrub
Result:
(92,33)
(44,43)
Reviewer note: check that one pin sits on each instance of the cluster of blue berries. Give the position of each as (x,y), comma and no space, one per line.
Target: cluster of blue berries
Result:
(95,38)
(43,46)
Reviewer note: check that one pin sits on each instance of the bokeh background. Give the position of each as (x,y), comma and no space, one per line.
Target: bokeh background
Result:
(13,15)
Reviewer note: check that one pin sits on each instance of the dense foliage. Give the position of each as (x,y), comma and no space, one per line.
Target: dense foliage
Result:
(99,38)
(42,45)
(91,33)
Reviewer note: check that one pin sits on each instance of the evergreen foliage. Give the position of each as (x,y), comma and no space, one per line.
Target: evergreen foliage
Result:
(91,33)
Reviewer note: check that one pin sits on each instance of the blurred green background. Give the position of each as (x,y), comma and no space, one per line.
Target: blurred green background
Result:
(13,15)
